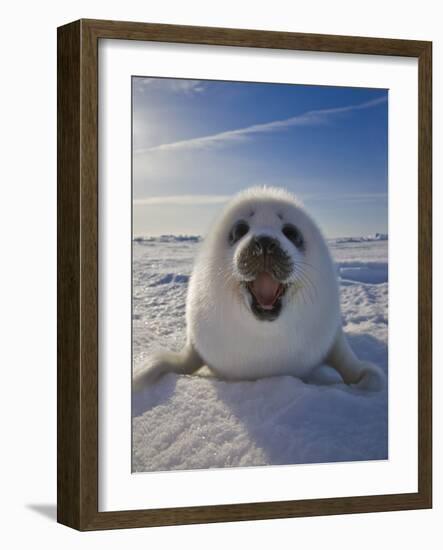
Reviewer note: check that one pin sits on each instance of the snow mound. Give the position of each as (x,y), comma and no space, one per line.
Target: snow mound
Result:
(171,278)
(364,272)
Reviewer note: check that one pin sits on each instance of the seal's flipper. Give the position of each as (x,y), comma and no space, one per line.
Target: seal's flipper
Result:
(186,361)
(361,374)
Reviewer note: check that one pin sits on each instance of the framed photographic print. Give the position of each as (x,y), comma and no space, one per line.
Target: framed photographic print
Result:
(244,275)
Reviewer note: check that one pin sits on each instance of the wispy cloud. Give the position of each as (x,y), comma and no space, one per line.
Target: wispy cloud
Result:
(309,118)
(182,200)
(204,200)
(175,85)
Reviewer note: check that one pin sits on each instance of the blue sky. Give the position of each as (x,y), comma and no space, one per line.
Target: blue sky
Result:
(196,143)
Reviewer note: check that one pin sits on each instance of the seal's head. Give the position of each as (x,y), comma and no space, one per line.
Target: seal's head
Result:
(274,248)
(268,250)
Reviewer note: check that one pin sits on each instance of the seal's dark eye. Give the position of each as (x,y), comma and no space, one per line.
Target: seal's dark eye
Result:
(238,231)
(293,234)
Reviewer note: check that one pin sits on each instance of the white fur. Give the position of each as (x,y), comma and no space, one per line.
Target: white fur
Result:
(223,332)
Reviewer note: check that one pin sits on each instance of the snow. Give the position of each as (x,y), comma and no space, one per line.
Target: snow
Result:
(187,422)
(370,238)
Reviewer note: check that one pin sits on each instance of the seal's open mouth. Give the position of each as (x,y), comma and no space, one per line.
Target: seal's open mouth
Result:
(266,290)
(266,293)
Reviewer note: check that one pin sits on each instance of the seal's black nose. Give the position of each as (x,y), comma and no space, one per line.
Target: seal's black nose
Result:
(265,244)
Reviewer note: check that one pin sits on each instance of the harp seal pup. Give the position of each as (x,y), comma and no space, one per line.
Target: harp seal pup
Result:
(263,299)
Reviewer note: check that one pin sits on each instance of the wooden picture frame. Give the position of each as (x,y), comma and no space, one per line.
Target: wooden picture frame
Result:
(77,456)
